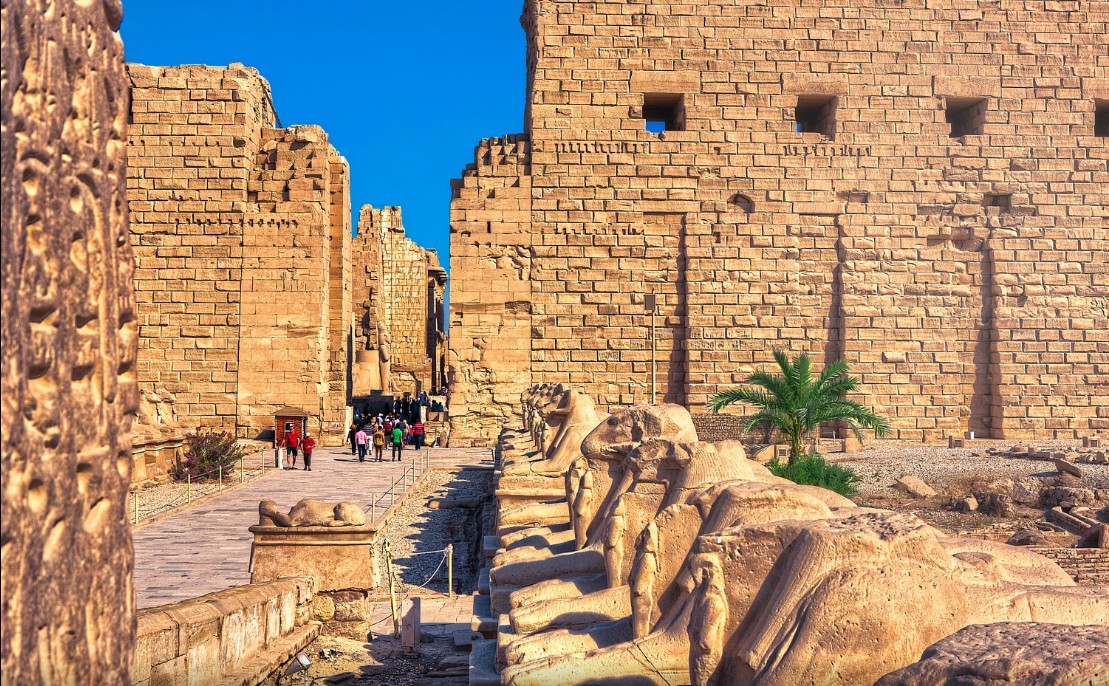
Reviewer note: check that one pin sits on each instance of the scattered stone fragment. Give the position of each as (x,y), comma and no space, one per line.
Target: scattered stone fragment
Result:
(1065,496)
(996,504)
(966,504)
(1068,468)
(915,487)
(1024,653)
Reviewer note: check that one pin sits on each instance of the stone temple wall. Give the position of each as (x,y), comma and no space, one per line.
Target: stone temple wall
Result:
(68,382)
(236,225)
(918,187)
(491,293)
(400,285)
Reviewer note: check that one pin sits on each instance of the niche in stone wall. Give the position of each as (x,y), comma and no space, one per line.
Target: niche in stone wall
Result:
(815,289)
(955,295)
(664,262)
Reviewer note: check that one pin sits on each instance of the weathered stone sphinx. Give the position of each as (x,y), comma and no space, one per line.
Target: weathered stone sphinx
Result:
(794,601)
(657,580)
(1012,653)
(68,385)
(311,513)
(663,474)
(326,541)
(605,450)
(576,416)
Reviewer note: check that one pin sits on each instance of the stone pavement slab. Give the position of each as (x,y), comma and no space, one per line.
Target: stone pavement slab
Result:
(207,548)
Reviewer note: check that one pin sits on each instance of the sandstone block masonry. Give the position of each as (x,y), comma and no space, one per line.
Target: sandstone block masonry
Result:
(399,291)
(918,187)
(241,231)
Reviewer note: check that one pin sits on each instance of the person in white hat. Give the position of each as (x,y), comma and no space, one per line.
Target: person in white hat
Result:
(306,446)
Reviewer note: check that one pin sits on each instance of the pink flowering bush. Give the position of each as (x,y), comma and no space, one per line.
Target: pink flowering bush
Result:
(205,453)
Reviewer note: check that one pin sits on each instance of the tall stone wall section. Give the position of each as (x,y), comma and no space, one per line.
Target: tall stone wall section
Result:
(236,225)
(960,273)
(68,384)
(195,131)
(400,285)
(340,303)
(284,346)
(489,362)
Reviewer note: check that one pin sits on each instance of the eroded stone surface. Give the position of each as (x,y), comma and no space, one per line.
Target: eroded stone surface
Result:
(69,344)
(1011,653)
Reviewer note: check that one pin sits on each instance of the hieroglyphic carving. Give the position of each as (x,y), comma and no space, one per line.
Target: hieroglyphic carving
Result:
(69,346)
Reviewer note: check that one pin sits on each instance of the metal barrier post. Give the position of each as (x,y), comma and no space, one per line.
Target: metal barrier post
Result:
(392,589)
(220,470)
(242,474)
(373,510)
(393,493)
(190,478)
(136,500)
(450,570)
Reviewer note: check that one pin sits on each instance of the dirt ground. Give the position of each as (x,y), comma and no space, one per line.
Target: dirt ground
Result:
(381,662)
(961,472)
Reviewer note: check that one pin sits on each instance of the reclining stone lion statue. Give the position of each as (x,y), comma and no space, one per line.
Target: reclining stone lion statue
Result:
(831,600)
(311,513)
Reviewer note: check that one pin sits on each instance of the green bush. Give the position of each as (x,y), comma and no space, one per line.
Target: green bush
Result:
(206,454)
(814,470)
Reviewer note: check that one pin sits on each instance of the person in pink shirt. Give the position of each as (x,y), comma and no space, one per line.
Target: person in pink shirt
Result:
(360,438)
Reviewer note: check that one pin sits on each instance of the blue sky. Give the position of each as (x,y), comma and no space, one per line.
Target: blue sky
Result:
(404,89)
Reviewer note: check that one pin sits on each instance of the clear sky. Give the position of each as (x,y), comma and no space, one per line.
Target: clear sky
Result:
(404,89)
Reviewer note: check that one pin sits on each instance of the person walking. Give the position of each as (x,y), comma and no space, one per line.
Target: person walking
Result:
(398,438)
(418,434)
(350,437)
(360,438)
(292,443)
(379,441)
(307,445)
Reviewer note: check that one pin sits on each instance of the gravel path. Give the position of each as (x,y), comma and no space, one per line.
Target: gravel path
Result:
(943,468)
(416,531)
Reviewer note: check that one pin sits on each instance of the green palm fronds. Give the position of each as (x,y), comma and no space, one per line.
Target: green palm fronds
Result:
(795,404)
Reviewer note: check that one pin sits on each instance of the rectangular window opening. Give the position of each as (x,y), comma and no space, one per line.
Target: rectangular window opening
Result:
(816,114)
(1101,118)
(664,112)
(965,115)
(1002,201)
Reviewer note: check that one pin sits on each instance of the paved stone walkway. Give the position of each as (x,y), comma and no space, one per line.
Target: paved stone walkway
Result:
(207,548)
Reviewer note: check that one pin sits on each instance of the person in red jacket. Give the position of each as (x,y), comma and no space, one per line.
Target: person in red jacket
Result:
(418,433)
(291,442)
(307,445)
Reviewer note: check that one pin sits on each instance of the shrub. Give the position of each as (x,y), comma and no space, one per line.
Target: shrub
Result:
(796,405)
(206,452)
(814,470)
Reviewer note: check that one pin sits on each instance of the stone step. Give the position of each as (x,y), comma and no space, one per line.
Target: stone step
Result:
(483,664)
(259,667)
(491,544)
(505,635)
(483,619)
(483,581)
(463,640)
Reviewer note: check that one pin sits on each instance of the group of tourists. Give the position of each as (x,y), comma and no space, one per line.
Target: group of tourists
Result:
(403,426)
(391,429)
(293,443)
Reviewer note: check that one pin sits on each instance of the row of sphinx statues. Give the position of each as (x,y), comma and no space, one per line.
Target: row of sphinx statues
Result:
(632,553)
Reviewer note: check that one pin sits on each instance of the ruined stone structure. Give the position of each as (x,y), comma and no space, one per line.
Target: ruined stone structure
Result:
(242,239)
(252,292)
(918,187)
(68,384)
(398,291)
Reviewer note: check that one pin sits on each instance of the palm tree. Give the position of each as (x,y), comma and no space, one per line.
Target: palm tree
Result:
(795,404)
